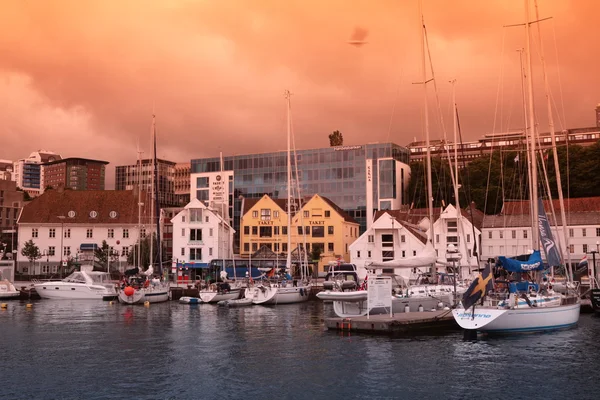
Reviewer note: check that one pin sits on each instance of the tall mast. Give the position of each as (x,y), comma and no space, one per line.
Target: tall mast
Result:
(532,130)
(426,118)
(288,263)
(526,122)
(155,193)
(139,198)
(554,151)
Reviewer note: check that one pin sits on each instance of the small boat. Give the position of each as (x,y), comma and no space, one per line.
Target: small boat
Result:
(236,302)
(154,291)
(81,285)
(219,292)
(190,300)
(8,290)
(355,295)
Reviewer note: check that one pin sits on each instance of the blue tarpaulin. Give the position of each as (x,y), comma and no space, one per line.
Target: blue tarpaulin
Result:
(533,263)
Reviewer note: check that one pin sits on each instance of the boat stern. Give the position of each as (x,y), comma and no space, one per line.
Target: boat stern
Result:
(476,319)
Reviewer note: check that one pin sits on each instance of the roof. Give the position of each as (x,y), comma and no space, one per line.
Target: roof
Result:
(249,203)
(75,159)
(415,216)
(337,209)
(47,208)
(582,204)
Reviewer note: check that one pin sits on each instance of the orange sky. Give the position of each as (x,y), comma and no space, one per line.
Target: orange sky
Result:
(81,77)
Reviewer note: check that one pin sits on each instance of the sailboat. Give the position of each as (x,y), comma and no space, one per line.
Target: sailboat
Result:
(148,288)
(528,303)
(283,290)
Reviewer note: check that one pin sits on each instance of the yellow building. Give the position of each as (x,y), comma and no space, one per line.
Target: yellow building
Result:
(320,224)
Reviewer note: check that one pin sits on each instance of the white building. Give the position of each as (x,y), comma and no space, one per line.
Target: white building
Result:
(68,225)
(200,234)
(27,171)
(509,233)
(398,234)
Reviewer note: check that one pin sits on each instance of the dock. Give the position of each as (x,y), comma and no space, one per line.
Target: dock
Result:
(401,323)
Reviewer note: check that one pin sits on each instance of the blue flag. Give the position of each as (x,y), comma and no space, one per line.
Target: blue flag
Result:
(479,287)
(548,243)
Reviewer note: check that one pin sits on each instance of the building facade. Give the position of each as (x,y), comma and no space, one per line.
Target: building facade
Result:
(67,226)
(359,179)
(74,174)
(27,171)
(320,227)
(182,183)
(6,169)
(11,202)
(200,235)
(127,177)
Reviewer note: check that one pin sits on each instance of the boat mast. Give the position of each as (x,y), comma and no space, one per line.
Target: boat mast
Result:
(288,262)
(554,151)
(139,187)
(155,194)
(532,130)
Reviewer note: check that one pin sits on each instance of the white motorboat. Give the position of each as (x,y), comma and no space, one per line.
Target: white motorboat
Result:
(218,292)
(83,285)
(8,290)
(283,292)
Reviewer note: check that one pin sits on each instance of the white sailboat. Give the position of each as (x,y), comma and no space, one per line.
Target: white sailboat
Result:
(528,305)
(283,291)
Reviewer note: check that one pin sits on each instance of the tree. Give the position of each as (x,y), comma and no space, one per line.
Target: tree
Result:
(336,139)
(316,252)
(132,258)
(31,251)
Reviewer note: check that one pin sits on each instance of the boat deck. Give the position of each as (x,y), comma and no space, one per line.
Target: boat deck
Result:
(400,323)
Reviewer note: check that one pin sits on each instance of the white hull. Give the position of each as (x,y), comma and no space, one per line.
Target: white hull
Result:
(348,309)
(157,294)
(236,302)
(357,295)
(8,290)
(530,319)
(215,297)
(278,295)
(60,290)
(190,300)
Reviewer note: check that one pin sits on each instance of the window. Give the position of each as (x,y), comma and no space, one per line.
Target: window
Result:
(275,230)
(358,254)
(284,231)
(276,247)
(489,234)
(125,233)
(246,247)
(246,230)
(585,248)
(89,233)
(501,234)
(195,235)
(371,238)
(403,238)
(330,230)
(275,214)
(300,232)
(328,215)
(387,255)
(513,234)
(306,214)
(143,233)
(403,253)
(183,218)
(597,231)
(182,231)
(255,230)
(210,251)
(437,238)
(195,214)
(452,226)
(571,248)
(451,239)
(195,254)
(125,251)
(284,247)
(34,232)
(255,214)
(206,219)
(51,251)
(490,250)
(111,233)
(266,231)
(571,234)
(584,232)
(67,233)
(369,254)
(254,247)
(52,233)
(468,238)
(66,251)
(183,251)
(330,247)
(318,231)
(524,234)
(210,233)
(387,241)
(265,214)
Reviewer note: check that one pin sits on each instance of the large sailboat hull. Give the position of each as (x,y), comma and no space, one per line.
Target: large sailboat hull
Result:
(279,295)
(347,309)
(215,297)
(150,294)
(533,319)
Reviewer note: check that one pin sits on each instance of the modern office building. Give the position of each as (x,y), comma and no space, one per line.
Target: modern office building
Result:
(27,171)
(127,177)
(360,179)
(6,169)
(182,183)
(74,174)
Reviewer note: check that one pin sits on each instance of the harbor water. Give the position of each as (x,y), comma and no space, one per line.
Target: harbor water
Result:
(97,350)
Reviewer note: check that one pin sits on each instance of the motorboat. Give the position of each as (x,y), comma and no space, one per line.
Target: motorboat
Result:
(83,285)
(8,290)
(278,292)
(218,292)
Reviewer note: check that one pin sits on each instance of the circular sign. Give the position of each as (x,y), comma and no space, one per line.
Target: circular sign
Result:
(71,214)
(113,214)
(118,242)
(93,214)
(218,178)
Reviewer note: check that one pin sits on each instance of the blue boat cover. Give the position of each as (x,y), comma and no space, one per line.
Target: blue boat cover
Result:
(533,263)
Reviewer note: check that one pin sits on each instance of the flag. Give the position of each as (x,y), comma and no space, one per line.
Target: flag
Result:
(583,262)
(517,158)
(271,273)
(479,287)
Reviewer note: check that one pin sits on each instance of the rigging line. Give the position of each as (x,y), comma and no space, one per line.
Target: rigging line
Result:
(562,100)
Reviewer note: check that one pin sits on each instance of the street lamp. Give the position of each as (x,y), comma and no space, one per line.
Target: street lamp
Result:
(62,236)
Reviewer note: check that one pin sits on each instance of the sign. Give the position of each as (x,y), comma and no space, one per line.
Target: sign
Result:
(317,222)
(369,172)
(379,293)
(265,222)
(64,263)
(342,148)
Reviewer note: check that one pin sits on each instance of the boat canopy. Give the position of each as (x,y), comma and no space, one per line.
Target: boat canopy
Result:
(525,263)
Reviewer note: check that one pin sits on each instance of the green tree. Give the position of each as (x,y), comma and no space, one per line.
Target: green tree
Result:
(315,253)
(31,251)
(132,258)
(336,139)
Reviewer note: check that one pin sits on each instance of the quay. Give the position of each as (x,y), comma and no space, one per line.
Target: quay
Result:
(400,323)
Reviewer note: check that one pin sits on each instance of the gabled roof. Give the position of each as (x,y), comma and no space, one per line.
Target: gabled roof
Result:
(413,229)
(249,203)
(337,209)
(582,204)
(47,208)
(415,216)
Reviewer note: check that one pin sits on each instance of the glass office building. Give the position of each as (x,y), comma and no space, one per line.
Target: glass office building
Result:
(356,178)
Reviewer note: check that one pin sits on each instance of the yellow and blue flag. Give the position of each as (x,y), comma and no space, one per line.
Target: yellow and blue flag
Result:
(479,287)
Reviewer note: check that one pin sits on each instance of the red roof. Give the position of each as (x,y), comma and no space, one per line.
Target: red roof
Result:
(582,204)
